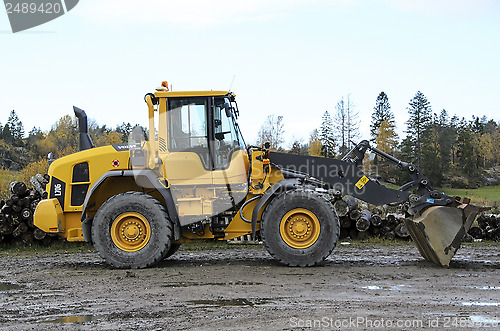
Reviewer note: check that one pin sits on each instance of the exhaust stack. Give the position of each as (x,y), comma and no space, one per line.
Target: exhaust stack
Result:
(84,139)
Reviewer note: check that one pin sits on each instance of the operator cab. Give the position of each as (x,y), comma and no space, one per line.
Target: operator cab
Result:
(202,153)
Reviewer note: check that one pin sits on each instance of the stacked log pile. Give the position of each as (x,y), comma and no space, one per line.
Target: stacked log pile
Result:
(16,212)
(488,227)
(16,218)
(360,223)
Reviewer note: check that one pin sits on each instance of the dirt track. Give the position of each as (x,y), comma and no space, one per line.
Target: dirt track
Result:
(241,287)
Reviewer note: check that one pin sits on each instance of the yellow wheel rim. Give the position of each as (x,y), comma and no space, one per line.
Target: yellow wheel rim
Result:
(299,228)
(130,232)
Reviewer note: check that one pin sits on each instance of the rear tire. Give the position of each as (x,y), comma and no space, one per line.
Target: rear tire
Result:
(300,228)
(132,230)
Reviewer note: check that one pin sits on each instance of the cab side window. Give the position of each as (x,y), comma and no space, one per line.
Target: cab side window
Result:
(188,127)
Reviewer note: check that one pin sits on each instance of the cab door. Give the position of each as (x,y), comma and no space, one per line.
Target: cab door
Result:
(188,160)
(206,164)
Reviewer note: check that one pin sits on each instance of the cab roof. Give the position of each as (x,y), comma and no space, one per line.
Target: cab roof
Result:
(180,94)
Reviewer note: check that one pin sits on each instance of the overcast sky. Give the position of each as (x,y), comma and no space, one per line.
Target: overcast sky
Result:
(289,57)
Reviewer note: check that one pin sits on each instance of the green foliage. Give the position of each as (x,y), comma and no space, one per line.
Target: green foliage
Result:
(299,148)
(465,148)
(22,157)
(8,176)
(13,130)
(381,112)
(420,119)
(124,130)
(12,157)
(327,136)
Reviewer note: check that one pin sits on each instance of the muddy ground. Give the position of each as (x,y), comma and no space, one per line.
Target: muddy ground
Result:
(360,286)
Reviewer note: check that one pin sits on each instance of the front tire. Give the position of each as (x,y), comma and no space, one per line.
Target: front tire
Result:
(300,228)
(132,230)
(173,248)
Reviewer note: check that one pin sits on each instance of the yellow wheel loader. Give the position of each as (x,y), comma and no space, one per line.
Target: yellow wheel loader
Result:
(194,178)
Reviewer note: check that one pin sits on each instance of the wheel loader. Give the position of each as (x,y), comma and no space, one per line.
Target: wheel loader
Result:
(194,178)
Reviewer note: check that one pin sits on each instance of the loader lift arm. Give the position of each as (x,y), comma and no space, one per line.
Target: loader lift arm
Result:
(346,176)
(426,196)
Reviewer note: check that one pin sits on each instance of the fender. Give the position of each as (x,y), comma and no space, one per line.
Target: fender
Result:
(148,179)
(277,188)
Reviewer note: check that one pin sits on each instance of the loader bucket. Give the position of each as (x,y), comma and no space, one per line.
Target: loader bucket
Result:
(438,231)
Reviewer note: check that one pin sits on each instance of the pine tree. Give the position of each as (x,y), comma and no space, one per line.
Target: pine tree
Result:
(299,148)
(465,147)
(432,158)
(124,130)
(381,112)
(34,136)
(454,133)
(6,134)
(420,119)
(16,129)
(446,138)
(326,136)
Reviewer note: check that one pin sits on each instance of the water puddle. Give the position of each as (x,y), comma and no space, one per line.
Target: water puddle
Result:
(490,304)
(229,302)
(387,288)
(73,319)
(4,287)
(188,284)
(487,287)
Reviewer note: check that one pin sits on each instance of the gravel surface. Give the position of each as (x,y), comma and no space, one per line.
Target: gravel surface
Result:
(360,286)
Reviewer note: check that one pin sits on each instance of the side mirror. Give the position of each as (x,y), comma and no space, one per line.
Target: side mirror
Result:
(227,108)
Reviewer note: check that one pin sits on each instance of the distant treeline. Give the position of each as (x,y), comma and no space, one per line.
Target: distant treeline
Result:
(22,156)
(450,151)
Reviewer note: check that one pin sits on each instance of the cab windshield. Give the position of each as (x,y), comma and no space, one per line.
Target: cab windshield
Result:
(190,131)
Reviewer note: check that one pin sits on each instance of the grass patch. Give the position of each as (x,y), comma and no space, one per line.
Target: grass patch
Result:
(483,196)
(485,242)
(376,241)
(486,196)
(36,248)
